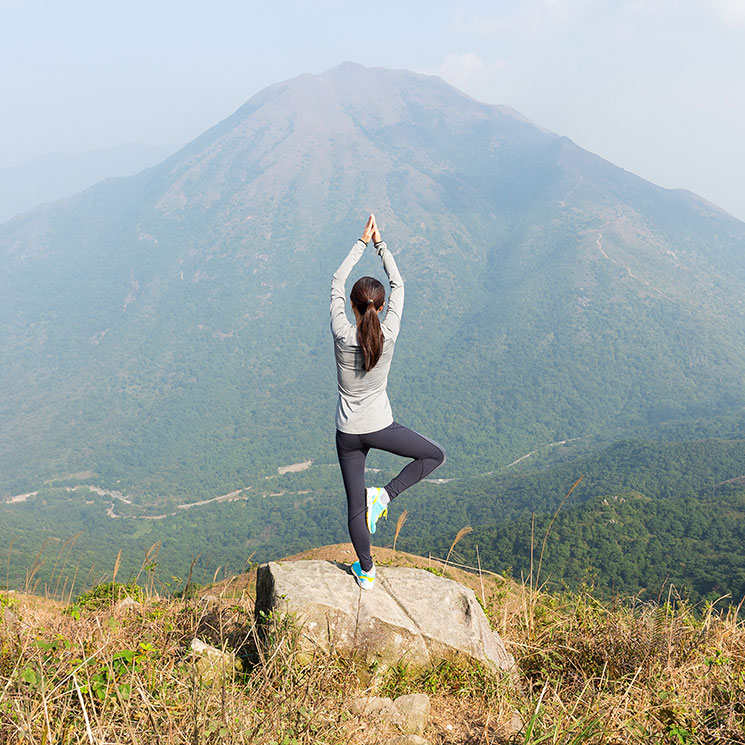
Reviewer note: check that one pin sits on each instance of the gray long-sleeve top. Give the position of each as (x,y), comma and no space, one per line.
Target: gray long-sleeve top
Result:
(363,404)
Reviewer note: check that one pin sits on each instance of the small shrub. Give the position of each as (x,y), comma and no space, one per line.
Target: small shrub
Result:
(189,591)
(105,594)
(6,602)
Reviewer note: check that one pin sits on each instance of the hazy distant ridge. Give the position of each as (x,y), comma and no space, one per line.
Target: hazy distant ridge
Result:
(58,175)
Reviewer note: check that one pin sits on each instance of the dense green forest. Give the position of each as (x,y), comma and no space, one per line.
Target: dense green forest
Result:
(630,544)
(645,514)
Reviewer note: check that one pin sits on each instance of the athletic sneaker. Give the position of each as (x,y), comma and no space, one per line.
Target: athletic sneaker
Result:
(375,497)
(366,580)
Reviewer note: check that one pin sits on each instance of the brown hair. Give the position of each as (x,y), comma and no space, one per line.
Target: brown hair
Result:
(367,296)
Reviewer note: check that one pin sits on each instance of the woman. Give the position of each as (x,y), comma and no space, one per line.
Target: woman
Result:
(364,420)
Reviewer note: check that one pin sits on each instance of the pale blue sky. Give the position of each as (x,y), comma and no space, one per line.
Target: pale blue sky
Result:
(655,86)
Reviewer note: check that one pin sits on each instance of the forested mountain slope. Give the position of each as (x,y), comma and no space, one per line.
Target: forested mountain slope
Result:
(167,333)
(645,514)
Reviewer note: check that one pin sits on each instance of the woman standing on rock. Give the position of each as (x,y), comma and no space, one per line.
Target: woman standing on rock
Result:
(364,420)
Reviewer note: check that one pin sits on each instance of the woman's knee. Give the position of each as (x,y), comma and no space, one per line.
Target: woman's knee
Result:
(439,455)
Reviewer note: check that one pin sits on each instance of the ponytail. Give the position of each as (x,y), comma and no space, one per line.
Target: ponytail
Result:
(367,296)
(370,337)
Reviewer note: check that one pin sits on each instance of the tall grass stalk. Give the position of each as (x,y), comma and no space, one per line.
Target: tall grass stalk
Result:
(464,531)
(481,576)
(7,570)
(548,530)
(535,585)
(116,566)
(399,524)
(36,565)
(68,544)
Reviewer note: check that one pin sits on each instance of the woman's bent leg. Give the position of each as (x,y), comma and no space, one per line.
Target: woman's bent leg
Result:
(351,452)
(403,441)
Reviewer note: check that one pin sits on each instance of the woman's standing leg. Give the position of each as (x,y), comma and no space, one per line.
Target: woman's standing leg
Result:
(399,440)
(352,452)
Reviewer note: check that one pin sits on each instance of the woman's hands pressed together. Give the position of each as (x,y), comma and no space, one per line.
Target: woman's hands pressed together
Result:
(376,232)
(371,231)
(369,228)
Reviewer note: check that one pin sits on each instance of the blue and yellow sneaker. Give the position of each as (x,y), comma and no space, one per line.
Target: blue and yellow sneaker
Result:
(366,580)
(375,507)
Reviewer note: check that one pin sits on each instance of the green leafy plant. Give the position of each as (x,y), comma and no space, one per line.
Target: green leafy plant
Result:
(112,678)
(454,677)
(6,602)
(105,594)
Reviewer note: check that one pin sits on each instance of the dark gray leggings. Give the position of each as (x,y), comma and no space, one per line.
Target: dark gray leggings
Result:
(352,451)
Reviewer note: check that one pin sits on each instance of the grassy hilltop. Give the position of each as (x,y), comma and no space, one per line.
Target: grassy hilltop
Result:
(92,671)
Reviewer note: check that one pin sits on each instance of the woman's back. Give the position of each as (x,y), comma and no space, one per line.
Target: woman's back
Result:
(363,404)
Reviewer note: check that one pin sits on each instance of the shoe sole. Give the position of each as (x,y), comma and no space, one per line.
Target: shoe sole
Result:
(369,499)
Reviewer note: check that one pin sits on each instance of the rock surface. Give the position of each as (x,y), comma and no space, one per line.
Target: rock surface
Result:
(375,707)
(516,723)
(414,709)
(409,712)
(10,619)
(411,614)
(129,604)
(213,663)
(407,740)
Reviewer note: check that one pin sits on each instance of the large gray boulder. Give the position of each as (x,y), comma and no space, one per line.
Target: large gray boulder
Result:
(410,614)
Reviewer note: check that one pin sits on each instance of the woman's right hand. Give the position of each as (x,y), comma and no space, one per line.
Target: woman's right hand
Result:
(367,234)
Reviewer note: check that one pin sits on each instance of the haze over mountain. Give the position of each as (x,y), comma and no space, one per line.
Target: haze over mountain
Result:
(58,175)
(168,332)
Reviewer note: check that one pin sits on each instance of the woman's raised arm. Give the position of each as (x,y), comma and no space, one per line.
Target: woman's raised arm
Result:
(396,298)
(339,321)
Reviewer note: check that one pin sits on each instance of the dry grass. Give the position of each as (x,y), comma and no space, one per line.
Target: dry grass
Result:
(634,673)
(588,673)
(126,676)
